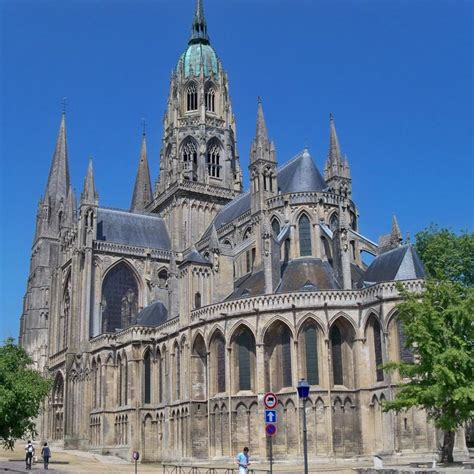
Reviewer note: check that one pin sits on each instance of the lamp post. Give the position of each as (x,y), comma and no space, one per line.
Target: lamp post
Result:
(303,392)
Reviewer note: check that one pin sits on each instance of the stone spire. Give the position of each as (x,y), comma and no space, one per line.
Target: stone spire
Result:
(334,153)
(142,190)
(395,234)
(199,26)
(58,179)
(89,195)
(261,148)
(70,213)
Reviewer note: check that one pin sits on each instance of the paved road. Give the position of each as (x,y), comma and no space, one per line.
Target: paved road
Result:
(19,466)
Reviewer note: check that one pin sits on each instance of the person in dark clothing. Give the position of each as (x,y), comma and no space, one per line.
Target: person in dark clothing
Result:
(46,453)
(30,451)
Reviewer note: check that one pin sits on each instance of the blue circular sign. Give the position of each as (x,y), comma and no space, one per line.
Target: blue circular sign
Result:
(270,429)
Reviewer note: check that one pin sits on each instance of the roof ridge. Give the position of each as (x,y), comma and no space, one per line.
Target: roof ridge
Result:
(233,201)
(128,211)
(292,160)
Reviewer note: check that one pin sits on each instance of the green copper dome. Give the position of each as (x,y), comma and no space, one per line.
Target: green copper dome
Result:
(197,57)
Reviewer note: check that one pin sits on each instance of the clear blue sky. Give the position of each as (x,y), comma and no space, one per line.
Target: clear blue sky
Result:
(396,74)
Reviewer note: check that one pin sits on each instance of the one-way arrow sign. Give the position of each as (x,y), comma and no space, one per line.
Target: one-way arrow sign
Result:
(270,416)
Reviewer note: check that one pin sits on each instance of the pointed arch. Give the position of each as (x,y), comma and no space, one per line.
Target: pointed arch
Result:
(217,350)
(310,337)
(214,156)
(333,221)
(191,96)
(373,334)
(177,370)
(304,234)
(276,227)
(147,384)
(199,369)
(210,97)
(277,341)
(341,335)
(120,297)
(244,350)
(57,407)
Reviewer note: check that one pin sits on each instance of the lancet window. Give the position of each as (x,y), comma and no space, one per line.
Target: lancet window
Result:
(210,99)
(245,351)
(275,227)
(309,342)
(213,160)
(191,97)
(147,378)
(304,229)
(378,350)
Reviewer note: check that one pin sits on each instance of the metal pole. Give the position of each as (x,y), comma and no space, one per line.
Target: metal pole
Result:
(135,466)
(271,454)
(305,439)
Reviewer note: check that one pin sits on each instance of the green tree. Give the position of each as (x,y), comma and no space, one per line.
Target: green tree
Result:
(445,255)
(439,329)
(22,392)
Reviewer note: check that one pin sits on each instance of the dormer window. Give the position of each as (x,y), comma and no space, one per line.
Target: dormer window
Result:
(192,99)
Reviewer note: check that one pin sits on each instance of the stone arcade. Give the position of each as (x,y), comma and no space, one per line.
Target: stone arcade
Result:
(161,325)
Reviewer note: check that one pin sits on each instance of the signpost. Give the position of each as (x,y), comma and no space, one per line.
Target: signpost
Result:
(135,457)
(270,401)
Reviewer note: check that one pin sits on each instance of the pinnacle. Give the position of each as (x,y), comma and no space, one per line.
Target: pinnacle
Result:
(334,154)
(261,131)
(142,189)
(89,194)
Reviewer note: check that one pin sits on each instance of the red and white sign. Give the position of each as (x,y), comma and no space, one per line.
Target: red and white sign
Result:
(270,400)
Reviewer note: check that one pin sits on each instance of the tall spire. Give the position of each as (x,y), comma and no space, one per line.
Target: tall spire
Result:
(142,190)
(58,179)
(199,26)
(334,154)
(70,213)
(395,234)
(89,194)
(261,130)
(261,147)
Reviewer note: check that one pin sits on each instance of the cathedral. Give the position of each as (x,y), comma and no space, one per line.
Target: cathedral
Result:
(163,325)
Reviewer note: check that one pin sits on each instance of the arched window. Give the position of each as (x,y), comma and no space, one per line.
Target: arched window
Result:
(57,407)
(304,229)
(147,378)
(277,343)
(310,352)
(336,352)
(191,97)
(64,318)
(210,99)
(122,392)
(199,369)
(405,353)
(119,299)
(159,359)
(197,300)
(333,221)
(162,278)
(378,350)
(275,228)
(119,381)
(213,160)
(245,352)
(189,152)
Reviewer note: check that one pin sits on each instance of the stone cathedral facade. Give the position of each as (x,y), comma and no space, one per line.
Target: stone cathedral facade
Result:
(162,325)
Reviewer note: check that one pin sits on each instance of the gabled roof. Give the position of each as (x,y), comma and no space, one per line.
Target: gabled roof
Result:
(401,263)
(195,257)
(131,228)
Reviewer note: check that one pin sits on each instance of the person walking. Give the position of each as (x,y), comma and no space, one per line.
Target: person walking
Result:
(242,460)
(30,452)
(46,453)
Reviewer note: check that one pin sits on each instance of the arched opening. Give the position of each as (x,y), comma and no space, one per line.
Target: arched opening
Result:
(304,231)
(217,350)
(119,298)
(210,99)
(191,97)
(177,372)
(64,317)
(197,300)
(57,408)
(278,370)
(163,278)
(341,337)
(244,350)
(309,343)
(334,221)
(199,369)
(189,155)
(377,338)
(213,158)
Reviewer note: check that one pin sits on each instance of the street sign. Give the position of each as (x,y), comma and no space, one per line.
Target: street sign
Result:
(270,429)
(270,400)
(270,416)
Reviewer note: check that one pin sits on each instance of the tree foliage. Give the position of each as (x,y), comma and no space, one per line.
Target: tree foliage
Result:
(22,392)
(439,328)
(447,256)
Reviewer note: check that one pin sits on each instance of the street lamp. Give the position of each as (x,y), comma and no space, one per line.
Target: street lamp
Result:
(303,392)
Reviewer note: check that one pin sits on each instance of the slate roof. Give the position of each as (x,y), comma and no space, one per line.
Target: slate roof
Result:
(303,274)
(401,263)
(300,174)
(153,315)
(131,228)
(195,257)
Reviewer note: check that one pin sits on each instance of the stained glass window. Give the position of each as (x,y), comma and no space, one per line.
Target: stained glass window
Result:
(220,354)
(119,299)
(311,354)
(245,347)
(286,356)
(378,351)
(147,378)
(305,235)
(213,160)
(210,99)
(336,352)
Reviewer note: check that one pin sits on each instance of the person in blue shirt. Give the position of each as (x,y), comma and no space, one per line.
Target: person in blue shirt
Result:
(242,460)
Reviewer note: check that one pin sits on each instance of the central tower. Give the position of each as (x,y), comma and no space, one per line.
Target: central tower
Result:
(199,163)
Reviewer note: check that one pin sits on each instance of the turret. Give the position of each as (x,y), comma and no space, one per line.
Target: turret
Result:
(262,166)
(336,170)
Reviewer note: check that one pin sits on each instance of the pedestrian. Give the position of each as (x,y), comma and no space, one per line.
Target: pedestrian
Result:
(46,453)
(30,452)
(243,461)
